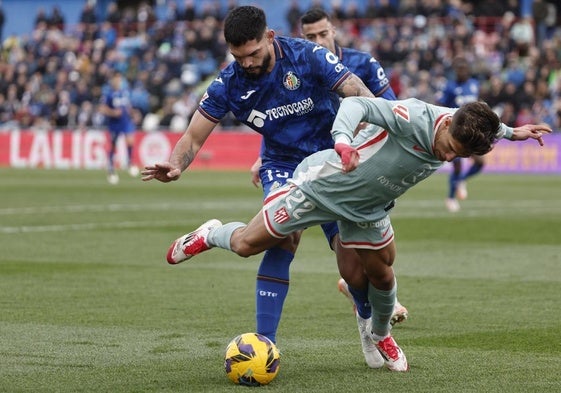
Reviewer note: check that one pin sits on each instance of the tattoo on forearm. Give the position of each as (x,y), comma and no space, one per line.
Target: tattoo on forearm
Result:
(353,86)
(187,159)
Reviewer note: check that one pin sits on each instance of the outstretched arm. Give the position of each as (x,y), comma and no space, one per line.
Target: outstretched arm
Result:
(530,131)
(183,153)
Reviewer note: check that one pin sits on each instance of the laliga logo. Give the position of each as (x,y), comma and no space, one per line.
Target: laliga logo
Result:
(291,81)
(154,148)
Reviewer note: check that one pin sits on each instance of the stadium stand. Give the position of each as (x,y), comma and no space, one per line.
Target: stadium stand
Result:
(52,76)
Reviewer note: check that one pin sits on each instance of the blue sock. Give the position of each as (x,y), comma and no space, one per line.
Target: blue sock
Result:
(362,304)
(271,290)
(473,170)
(453,184)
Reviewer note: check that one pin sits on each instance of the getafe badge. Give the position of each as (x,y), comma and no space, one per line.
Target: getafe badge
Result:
(291,81)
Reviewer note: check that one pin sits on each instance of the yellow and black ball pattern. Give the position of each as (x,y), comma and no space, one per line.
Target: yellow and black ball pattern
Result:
(252,360)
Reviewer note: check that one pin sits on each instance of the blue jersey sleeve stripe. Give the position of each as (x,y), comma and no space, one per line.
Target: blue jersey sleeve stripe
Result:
(341,80)
(206,115)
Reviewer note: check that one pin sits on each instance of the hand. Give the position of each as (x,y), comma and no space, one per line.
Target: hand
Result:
(531,131)
(164,172)
(255,172)
(349,156)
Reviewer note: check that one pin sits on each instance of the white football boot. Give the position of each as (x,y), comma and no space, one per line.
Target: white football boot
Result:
(191,244)
(394,357)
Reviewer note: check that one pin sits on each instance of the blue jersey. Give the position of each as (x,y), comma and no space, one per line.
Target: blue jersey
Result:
(118,99)
(368,69)
(455,93)
(293,106)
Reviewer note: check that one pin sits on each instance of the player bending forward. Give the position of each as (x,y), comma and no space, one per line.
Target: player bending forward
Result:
(356,184)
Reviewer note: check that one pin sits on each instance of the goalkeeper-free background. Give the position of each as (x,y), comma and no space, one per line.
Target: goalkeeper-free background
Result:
(88,303)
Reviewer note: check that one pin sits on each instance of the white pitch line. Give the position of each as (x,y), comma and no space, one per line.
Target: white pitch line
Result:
(119,207)
(81,227)
(425,209)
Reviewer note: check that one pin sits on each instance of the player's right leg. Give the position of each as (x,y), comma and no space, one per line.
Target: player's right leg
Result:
(455,178)
(244,240)
(192,243)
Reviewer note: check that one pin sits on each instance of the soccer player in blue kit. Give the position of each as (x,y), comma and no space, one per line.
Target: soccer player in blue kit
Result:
(116,107)
(356,183)
(288,90)
(458,91)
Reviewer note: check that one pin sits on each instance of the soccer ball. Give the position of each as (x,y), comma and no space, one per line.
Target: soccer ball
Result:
(251,360)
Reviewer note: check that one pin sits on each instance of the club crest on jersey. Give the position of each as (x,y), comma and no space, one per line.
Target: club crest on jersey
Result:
(291,81)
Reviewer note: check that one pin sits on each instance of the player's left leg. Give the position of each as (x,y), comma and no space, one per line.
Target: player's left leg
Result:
(377,253)
(356,286)
(455,177)
(477,164)
(112,176)
(133,169)
(382,293)
(273,275)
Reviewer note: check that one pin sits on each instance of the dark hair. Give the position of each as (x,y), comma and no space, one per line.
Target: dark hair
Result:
(460,61)
(314,15)
(475,126)
(243,24)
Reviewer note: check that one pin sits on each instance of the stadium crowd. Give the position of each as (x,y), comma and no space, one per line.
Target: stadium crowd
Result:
(53,77)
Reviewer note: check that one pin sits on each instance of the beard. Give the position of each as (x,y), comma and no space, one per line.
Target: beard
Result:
(256,72)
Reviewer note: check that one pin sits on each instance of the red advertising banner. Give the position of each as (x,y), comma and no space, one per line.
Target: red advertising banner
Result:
(88,149)
(223,150)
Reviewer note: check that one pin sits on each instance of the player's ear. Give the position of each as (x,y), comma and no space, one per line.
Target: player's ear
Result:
(270,34)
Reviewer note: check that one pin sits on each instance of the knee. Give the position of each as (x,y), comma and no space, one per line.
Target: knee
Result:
(242,247)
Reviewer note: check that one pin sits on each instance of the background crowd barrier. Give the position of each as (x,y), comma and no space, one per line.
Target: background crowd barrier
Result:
(224,150)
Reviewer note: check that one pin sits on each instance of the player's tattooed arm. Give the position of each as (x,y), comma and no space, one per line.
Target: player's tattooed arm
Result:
(187,158)
(354,86)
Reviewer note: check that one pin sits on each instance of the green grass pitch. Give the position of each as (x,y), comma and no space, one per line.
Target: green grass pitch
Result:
(88,303)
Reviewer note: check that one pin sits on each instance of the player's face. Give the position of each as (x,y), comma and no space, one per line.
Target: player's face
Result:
(321,32)
(255,56)
(462,72)
(116,82)
(446,148)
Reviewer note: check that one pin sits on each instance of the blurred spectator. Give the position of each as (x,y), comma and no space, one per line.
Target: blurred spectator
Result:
(56,19)
(522,33)
(2,20)
(88,16)
(189,12)
(113,15)
(293,17)
(539,13)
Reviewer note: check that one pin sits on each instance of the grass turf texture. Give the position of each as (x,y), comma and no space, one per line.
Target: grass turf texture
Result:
(89,304)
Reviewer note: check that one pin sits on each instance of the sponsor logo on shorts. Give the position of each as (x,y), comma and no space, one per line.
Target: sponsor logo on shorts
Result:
(374,224)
